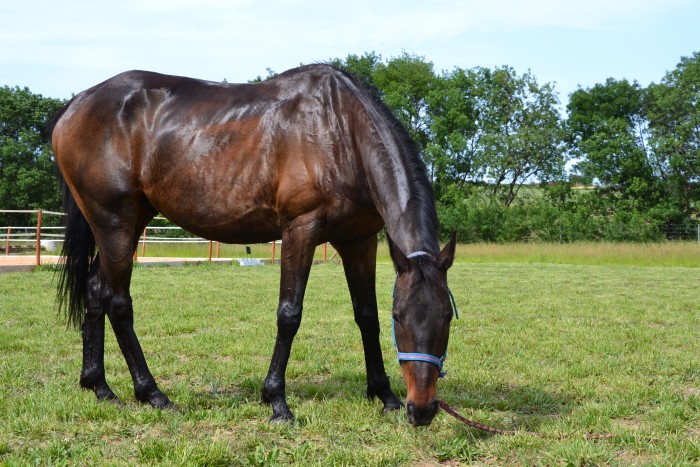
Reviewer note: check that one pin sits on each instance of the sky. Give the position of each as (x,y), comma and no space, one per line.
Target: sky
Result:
(59,48)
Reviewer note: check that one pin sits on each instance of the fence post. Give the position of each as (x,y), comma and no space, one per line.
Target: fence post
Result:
(698,233)
(218,249)
(38,238)
(325,251)
(273,251)
(210,244)
(7,241)
(143,247)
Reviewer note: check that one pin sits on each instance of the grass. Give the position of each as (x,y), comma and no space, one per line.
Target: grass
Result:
(668,254)
(564,349)
(675,254)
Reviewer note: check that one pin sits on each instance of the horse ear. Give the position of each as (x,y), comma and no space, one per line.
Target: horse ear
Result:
(400,261)
(447,255)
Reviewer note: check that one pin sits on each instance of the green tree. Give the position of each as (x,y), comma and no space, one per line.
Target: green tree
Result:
(27,173)
(522,131)
(673,111)
(363,66)
(405,83)
(455,146)
(609,133)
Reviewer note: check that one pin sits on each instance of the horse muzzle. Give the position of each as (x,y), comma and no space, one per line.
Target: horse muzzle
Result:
(421,415)
(421,400)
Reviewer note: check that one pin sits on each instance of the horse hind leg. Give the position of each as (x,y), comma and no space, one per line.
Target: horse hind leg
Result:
(92,375)
(116,251)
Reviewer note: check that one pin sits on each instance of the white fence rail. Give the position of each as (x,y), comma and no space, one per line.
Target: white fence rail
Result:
(49,238)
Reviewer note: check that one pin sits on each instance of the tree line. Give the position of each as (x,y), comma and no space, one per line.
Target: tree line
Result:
(506,164)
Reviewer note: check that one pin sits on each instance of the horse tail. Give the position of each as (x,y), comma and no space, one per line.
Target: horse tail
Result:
(78,253)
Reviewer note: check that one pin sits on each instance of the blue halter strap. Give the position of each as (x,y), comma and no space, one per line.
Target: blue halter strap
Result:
(416,356)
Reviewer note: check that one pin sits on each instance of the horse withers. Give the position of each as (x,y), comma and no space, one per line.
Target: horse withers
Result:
(310,156)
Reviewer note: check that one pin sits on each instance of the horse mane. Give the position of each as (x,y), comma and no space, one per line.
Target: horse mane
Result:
(408,149)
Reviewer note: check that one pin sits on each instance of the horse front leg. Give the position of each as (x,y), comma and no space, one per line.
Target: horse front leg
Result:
(360,263)
(298,245)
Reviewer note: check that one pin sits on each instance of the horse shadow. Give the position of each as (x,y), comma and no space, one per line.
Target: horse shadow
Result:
(507,405)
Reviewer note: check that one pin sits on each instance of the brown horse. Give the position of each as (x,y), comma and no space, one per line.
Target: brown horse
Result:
(309,156)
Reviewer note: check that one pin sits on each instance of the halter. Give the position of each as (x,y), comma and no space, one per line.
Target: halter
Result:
(416,356)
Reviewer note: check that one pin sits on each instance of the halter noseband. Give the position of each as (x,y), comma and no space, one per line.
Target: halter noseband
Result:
(417,356)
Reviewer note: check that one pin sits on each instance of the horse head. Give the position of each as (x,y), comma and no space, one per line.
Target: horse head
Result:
(422,312)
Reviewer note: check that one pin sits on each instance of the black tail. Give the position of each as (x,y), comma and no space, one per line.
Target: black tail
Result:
(78,254)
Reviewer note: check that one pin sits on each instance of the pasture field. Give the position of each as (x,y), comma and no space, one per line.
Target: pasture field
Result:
(563,349)
(685,254)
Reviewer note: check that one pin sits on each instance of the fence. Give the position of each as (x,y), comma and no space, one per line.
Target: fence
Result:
(32,235)
(49,237)
(681,231)
(44,237)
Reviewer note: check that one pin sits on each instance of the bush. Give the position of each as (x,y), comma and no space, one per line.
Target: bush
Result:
(554,216)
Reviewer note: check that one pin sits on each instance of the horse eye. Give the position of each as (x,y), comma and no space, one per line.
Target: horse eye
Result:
(395,317)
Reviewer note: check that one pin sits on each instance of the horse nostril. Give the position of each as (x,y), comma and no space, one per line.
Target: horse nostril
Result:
(435,406)
(410,410)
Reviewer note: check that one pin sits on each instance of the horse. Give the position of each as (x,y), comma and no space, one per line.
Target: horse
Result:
(309,156)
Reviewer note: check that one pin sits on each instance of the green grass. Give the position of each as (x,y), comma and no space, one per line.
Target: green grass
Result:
(667,254)
(682,254)
(564,349)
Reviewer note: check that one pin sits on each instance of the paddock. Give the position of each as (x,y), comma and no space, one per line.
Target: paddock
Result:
(563,349)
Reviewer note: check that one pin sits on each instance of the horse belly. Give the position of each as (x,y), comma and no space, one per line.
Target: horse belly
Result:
(218,208)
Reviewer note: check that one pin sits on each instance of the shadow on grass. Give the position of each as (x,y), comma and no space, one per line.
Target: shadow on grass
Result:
(505,406)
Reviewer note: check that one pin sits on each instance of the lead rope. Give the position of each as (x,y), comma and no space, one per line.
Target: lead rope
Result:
(480,426)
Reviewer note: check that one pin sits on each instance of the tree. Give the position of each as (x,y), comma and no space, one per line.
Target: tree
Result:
(27,173)
(608,132)
(673,110)
(522,131)
(405,83)
(363,67)
(455,146)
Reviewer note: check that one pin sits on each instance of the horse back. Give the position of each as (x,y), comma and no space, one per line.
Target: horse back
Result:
(232,162)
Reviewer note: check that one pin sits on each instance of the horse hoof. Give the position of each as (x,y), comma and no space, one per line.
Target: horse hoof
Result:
(282,417)
(106,395)
(162,403)
(388,398)
(111,400)
(157,400)
(392,405)
(114,401)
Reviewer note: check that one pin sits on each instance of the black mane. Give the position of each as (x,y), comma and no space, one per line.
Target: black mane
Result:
(408,149)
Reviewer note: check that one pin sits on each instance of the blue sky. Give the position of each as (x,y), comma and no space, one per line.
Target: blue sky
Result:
(57,48)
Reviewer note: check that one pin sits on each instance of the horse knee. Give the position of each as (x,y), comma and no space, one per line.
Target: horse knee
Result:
(289,317)
(367,318)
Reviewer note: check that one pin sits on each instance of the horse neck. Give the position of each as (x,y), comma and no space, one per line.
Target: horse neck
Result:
(399,189)
(405,202)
